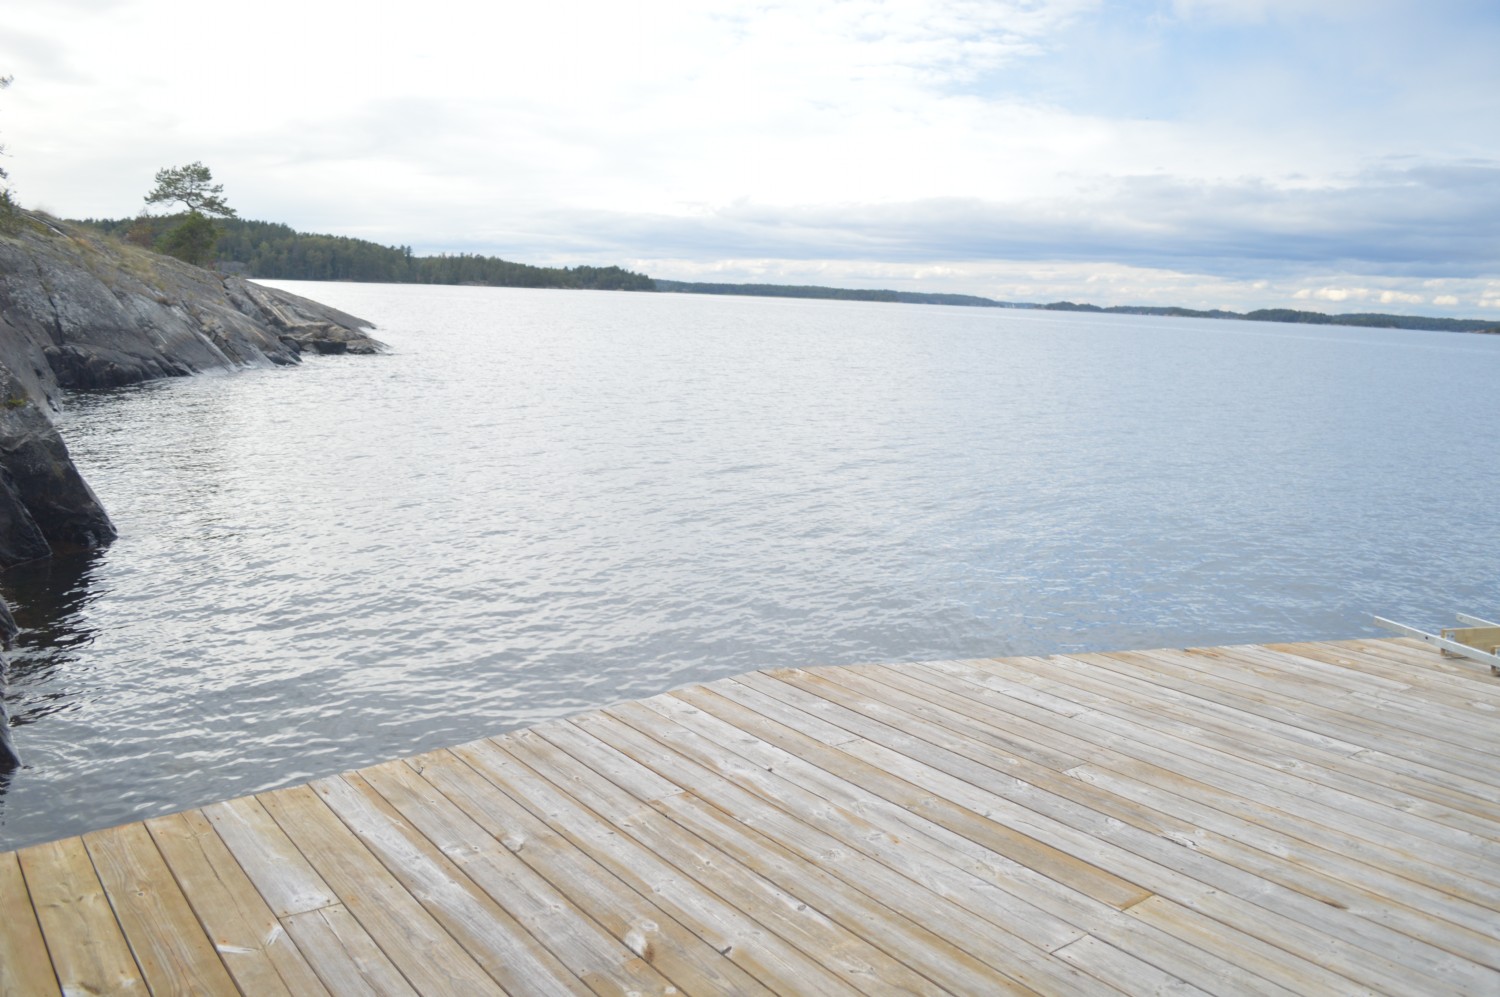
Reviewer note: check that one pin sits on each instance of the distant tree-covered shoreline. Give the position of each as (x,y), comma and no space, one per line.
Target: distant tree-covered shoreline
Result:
(275,251)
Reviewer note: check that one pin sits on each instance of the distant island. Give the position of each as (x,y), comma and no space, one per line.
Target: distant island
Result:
(1369,319)
(276,251)
(1376,320)
(838,293)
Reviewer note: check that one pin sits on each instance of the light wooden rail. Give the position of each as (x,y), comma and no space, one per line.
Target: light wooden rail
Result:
(1316,818)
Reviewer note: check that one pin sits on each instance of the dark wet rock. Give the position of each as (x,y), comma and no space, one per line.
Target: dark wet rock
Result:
(79,310)
(20,538)
(9,757)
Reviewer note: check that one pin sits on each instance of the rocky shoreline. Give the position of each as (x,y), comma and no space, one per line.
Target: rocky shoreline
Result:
(82,311)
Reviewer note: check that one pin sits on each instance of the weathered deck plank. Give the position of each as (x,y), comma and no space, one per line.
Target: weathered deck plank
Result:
(485,823)
(172,952)
(1320,873)
(1288,791)
(923,929)
(958,771)
(1268,819)
(416,942)
(256,949)
(84,941)
(786,749)
(24,968)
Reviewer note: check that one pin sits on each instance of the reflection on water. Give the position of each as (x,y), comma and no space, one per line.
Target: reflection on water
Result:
(54,622)
(545,501)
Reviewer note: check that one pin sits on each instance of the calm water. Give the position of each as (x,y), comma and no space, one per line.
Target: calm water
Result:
(543,501)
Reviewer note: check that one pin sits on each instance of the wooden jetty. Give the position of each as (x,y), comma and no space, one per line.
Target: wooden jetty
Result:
(1315,818)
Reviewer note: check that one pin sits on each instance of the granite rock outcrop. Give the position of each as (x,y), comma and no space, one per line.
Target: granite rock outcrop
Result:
(78,311)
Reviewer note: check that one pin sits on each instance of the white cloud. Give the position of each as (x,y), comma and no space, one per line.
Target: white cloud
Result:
(1256,11)
(1241,11)
(862,40)
(1446,300)
(921,135)
(582,103)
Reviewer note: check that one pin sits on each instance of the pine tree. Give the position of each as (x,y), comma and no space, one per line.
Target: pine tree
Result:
(192,186)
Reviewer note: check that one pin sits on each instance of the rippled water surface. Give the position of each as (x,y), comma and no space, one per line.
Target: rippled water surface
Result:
(542,501)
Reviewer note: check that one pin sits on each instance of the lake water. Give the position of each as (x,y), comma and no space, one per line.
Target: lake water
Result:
(544,501)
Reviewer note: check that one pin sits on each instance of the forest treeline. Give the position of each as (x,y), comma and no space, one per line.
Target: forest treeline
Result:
(276,251)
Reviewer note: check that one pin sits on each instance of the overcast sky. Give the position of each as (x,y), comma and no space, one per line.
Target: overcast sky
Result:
(1340,155)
